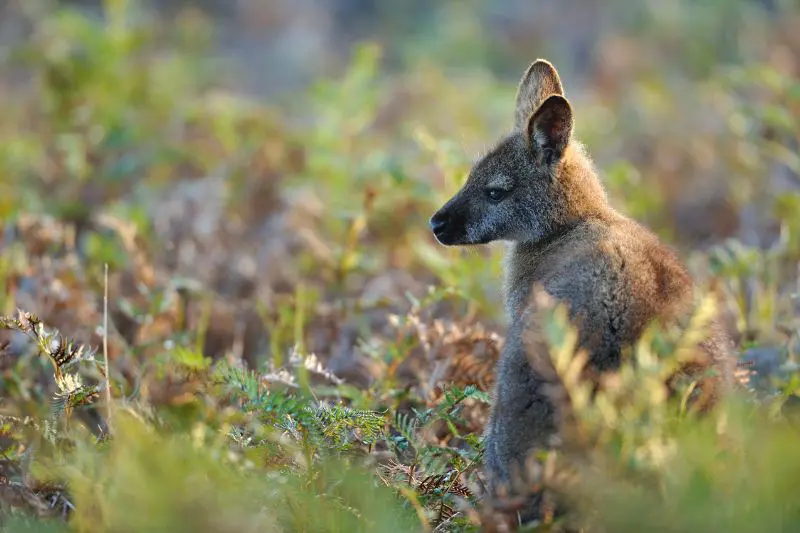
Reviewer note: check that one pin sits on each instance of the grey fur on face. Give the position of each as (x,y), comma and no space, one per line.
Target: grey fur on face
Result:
(502,197)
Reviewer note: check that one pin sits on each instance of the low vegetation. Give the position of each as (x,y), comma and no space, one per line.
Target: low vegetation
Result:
(287,347)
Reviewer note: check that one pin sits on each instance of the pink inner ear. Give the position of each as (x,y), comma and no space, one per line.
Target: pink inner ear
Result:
(555,127)
(559,126)
(552,124)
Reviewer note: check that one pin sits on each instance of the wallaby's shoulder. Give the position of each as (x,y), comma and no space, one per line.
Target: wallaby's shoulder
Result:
(653,264)
(615,254)
(610,269)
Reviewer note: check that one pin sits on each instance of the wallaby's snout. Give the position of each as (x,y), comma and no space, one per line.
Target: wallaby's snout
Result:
(447,225)
(438,223)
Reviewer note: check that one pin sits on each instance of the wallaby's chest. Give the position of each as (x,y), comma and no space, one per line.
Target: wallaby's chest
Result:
(525,266)
(520,275)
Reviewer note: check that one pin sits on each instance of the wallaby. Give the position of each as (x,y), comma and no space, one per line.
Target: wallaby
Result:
(538,190)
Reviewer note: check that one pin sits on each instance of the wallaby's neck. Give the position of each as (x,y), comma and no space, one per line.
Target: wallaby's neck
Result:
(521,262)
(523,259)
(583,193)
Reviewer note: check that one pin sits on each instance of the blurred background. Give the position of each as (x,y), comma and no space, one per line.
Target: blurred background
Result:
(272,159)
(258,177)
(253,147)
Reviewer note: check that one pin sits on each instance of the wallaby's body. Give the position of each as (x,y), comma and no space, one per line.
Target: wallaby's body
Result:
(538,190)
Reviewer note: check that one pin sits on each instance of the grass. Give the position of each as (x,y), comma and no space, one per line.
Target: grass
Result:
(286,347)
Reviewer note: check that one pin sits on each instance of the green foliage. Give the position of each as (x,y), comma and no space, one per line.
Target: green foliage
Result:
(149,481)
(70,362)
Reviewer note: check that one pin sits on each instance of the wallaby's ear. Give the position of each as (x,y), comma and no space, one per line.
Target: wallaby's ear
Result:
(540,81)
(550,127)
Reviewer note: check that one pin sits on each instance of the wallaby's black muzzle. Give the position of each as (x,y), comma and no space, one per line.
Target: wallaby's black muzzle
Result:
(447,225)
(440,224)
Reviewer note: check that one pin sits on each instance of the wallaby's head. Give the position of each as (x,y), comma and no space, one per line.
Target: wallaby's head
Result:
(534,183)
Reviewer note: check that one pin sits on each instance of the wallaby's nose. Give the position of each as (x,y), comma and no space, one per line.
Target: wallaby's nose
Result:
(439,223)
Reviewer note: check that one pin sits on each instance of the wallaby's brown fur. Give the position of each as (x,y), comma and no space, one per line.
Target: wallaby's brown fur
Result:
(538,190)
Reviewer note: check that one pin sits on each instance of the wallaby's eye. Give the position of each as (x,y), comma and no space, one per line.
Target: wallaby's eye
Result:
(495,195)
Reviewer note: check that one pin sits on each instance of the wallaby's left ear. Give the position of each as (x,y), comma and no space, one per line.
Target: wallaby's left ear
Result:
(550,126)
(539,81)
